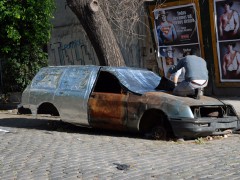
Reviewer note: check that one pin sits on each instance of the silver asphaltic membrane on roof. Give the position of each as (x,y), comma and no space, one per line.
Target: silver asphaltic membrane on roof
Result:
(134,79)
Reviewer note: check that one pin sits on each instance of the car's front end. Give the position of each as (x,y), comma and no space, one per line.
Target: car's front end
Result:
(191,118)
(207,120)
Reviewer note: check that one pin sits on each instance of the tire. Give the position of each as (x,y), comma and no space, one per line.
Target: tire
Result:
(159,133)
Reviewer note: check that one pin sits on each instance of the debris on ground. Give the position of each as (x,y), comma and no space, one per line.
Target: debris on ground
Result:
(124,167)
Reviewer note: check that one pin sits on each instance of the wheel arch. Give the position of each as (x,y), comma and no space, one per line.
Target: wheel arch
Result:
(48,108)
(152,118)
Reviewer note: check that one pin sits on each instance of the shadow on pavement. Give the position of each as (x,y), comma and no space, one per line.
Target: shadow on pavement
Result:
(59,126)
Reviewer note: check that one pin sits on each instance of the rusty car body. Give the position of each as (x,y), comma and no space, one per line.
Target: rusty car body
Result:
(123,98)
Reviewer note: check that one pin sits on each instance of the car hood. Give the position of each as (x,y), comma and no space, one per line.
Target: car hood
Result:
(177,106)
(167,97)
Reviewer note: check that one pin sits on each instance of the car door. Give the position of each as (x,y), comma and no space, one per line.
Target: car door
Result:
(73,93)
(108,110)
(107,104)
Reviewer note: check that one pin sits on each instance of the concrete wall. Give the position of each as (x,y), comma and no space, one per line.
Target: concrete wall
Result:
(69,44)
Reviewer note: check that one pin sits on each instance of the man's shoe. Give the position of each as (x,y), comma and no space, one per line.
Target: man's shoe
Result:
(197,93)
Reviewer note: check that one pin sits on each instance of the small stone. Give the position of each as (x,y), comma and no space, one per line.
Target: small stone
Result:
(180,140)
(209,138)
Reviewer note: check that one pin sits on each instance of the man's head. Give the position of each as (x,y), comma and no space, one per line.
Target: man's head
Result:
(227,3)
(230,45)
(233,44)
(193,51)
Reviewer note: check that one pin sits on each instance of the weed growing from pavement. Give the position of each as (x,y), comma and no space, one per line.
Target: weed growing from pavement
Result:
(199,140)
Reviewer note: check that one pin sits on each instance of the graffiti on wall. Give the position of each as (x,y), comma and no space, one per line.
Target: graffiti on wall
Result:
(75,52)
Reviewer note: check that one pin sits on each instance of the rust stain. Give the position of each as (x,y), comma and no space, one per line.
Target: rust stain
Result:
(107,110)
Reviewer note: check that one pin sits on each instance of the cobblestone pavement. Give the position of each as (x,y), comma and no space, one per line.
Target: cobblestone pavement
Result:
(33,150)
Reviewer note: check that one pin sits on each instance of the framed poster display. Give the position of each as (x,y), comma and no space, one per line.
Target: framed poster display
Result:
(227,23)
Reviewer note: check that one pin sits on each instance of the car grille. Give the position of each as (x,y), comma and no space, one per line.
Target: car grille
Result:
(213,111)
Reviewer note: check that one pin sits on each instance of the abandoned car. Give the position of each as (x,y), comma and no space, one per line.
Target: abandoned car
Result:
(123,98)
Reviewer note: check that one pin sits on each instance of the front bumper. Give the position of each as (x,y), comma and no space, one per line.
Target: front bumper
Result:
(201,127)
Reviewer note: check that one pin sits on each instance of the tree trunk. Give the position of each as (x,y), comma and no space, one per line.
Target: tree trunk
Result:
(98,30)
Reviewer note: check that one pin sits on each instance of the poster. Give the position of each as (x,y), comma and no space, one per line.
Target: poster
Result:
(229,61)
(176,33)
(228,39)
(176,25)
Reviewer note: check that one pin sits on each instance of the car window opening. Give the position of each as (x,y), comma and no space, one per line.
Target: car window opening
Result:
(107,83)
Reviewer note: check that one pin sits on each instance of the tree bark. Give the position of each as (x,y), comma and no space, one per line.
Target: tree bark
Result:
(98,30)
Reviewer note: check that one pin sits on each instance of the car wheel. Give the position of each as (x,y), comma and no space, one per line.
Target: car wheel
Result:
(155,125)
(159,133)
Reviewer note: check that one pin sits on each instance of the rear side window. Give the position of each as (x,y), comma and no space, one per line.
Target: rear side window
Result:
(75,79)
(47,78)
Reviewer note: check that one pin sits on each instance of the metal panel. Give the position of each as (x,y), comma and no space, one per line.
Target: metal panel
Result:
(43,86)
(73,93)
(134,79)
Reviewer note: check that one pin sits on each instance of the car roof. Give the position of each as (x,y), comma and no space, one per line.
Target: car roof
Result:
(135,80)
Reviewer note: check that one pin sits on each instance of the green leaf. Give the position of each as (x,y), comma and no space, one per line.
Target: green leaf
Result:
(24,31)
